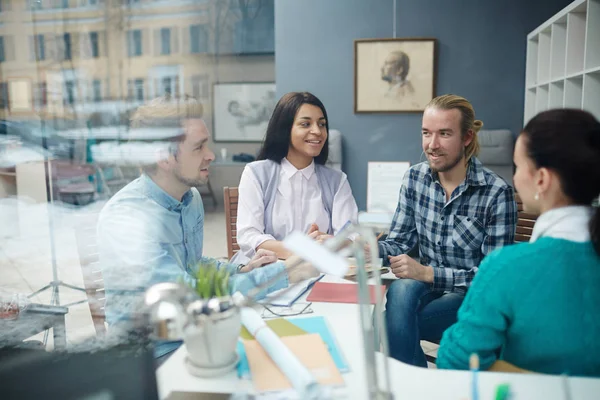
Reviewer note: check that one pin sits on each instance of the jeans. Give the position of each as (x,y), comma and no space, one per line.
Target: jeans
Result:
(415,312)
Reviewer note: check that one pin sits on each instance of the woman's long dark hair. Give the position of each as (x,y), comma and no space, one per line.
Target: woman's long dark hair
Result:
(278,136)
(567,141)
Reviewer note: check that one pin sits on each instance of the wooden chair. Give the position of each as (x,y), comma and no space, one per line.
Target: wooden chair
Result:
(525,222)
(230,196)
(89,259)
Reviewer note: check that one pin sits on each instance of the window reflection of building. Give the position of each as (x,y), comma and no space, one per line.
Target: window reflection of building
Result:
(89,53)
(134,43)
(135,89)
(198,39)
(200,86)
(3,95)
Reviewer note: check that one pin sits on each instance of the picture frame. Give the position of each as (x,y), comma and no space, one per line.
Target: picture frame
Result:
(394,75)
(241,110)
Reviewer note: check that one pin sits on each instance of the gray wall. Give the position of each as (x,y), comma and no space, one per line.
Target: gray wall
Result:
(481,56)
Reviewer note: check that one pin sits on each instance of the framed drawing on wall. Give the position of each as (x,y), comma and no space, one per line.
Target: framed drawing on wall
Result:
(241,111)
(393,75)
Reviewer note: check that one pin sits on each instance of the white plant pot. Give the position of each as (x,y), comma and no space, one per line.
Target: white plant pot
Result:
(211,342)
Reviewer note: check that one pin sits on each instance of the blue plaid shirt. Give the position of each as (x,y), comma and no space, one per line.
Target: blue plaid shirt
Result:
(453,235)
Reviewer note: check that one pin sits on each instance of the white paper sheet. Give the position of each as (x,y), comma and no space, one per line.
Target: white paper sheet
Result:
(384,180)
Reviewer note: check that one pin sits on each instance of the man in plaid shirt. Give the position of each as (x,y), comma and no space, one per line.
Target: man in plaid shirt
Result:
(457,211)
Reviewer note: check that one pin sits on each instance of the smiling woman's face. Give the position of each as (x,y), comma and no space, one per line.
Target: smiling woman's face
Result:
(309,132)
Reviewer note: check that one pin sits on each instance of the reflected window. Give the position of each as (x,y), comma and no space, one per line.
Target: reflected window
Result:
(134,43)
(165,41)
(69,92)
(47,4)
(3,95)
(97,89)
(37,48)
(40,94)
(94,44)
(135,89)
(67,46)
(200,86)
(169,85)
(166,83)
(198,39)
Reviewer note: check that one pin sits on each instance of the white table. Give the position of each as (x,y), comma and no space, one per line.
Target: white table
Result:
(408,382)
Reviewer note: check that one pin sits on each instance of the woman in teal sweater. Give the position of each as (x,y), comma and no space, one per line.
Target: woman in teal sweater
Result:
(537,305)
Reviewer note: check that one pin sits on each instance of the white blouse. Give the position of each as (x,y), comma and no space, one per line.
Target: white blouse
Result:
(297,206)
(569,223)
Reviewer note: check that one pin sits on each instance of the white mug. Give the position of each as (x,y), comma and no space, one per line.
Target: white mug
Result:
(223,153)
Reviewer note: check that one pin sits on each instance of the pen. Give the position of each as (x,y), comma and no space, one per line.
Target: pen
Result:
(474,367)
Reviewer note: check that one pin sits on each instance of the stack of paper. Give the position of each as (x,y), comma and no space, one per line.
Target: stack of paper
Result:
(294,327)
(310,351)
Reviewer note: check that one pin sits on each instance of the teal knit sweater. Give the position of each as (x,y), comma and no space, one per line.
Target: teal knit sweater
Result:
(537,302)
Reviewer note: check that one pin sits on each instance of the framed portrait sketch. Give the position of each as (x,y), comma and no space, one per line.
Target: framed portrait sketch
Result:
(241,111)
(393,75)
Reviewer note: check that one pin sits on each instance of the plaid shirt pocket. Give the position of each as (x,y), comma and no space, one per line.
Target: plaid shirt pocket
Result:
(468,232)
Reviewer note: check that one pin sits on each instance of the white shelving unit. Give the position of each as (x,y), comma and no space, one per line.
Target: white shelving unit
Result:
(563,61)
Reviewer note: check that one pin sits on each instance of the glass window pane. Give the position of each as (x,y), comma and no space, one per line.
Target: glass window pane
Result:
(90,71)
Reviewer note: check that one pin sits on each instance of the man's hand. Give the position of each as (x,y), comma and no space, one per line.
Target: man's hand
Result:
(261,258)
(405,267)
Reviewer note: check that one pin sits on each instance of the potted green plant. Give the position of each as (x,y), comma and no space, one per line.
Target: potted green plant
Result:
(214,322)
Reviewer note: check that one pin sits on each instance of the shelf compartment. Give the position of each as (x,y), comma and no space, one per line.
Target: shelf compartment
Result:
(541,99)
(530,97)
(543,66)
(558,46)
(556,95)
(573,92)
(575,41)
(592,38)
(591,93)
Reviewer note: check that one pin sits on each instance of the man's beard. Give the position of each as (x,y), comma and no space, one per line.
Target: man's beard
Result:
(190,182)
(449,166)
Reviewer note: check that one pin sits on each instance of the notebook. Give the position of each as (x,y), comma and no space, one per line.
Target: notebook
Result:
(291,294)
(327,292)
(267,376)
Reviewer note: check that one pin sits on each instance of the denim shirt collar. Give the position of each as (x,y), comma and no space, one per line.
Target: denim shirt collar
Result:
(156,193)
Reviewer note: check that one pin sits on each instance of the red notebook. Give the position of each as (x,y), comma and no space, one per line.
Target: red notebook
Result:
(327,292)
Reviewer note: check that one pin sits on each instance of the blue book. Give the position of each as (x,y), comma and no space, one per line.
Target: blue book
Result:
(310,325)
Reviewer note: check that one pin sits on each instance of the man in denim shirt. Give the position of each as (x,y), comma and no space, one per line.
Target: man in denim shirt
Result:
(152,230)
(458,211)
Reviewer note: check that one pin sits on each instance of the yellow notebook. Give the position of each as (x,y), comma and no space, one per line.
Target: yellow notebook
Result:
(282,327)
(310,350)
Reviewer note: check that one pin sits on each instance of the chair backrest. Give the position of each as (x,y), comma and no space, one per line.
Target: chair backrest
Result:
(230,196)
(525,222)
(89,259)
(496,152)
